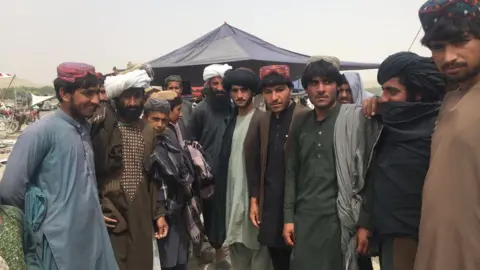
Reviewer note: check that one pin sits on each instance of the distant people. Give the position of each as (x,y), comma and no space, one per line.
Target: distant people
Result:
(174,83)
(65,215)
(351,90)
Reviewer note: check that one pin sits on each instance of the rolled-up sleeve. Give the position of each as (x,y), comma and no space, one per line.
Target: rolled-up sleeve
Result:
(22,164)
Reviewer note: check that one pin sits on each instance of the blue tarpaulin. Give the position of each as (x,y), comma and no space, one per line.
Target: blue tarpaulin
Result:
(227,44)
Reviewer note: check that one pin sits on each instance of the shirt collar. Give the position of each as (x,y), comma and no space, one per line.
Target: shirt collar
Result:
(67,118)
(333,111)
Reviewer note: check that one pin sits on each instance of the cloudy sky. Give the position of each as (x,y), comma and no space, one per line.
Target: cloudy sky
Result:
(38,35)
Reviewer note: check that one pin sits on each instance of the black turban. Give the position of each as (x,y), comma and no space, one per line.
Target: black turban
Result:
(418,74)
(242,77)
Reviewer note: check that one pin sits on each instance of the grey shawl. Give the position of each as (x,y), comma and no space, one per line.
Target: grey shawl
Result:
(355,137)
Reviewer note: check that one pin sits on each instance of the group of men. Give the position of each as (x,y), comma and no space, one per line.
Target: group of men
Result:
(121,172)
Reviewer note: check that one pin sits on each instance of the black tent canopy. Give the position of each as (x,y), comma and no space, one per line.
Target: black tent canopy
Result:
(227,44)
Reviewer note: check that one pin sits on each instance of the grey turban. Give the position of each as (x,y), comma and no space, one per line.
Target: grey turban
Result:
(330,59)
(157,105)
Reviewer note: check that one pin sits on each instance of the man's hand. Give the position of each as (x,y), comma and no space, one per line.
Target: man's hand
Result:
(254,217)
(110,222)
(289,234)
(362,241)
(162,228)
(370,107)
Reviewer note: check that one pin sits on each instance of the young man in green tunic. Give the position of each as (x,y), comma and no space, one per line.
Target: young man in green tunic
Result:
(327,154)
(312,226)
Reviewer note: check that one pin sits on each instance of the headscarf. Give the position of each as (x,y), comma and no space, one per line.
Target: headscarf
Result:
(215,70)
(432,10)
(243,77)
(157,105)
(70,71)
(359,93)
(420,73)
(116,85)
(330,59)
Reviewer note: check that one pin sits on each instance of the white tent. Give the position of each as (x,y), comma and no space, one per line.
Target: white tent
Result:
(36,100)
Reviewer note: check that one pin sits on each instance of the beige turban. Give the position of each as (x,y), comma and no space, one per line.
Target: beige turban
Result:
(165,95)
(330,59)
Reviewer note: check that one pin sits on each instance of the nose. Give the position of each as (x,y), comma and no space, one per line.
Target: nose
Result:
(95,99)
(383,98)
(450,55)
(131,101)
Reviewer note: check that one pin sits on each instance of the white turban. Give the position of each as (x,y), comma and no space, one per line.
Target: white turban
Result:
(116,85)
(215,70)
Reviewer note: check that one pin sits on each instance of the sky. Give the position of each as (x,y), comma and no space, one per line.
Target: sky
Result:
(36,36)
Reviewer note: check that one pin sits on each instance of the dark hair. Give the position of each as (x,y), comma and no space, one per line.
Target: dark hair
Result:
(175,102)
(322,69)
(275,79)
(452,30)
(344,80)
(88,81)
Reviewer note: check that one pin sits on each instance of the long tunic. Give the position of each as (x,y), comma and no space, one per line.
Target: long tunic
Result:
(272,211)
(133,246)
(239,227)
(450,223)
(55,156)
(311,192)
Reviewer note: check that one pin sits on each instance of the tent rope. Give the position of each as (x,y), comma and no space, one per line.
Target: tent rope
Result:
(414,39)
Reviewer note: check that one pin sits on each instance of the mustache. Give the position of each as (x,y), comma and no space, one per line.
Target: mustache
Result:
(454,65)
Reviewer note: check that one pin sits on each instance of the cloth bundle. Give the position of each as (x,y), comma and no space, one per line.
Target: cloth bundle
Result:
(116,85)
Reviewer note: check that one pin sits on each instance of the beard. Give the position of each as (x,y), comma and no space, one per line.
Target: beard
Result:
(130,114)
(83,112)
(465,76)
(219,101)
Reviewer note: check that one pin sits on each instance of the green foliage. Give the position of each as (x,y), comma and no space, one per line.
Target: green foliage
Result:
(22,91)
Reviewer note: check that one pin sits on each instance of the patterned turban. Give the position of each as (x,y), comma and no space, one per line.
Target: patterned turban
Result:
(275,75)
(71,71)
(432,10)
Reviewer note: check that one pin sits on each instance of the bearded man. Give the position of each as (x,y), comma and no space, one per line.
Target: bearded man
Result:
(351,90)
(207,126)
(450,224)
(51,177)
(327,152)
(129,200)
(237,162)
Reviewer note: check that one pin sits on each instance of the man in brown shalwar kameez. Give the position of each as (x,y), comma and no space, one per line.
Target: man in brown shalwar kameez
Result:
(129,200)
(450,224)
